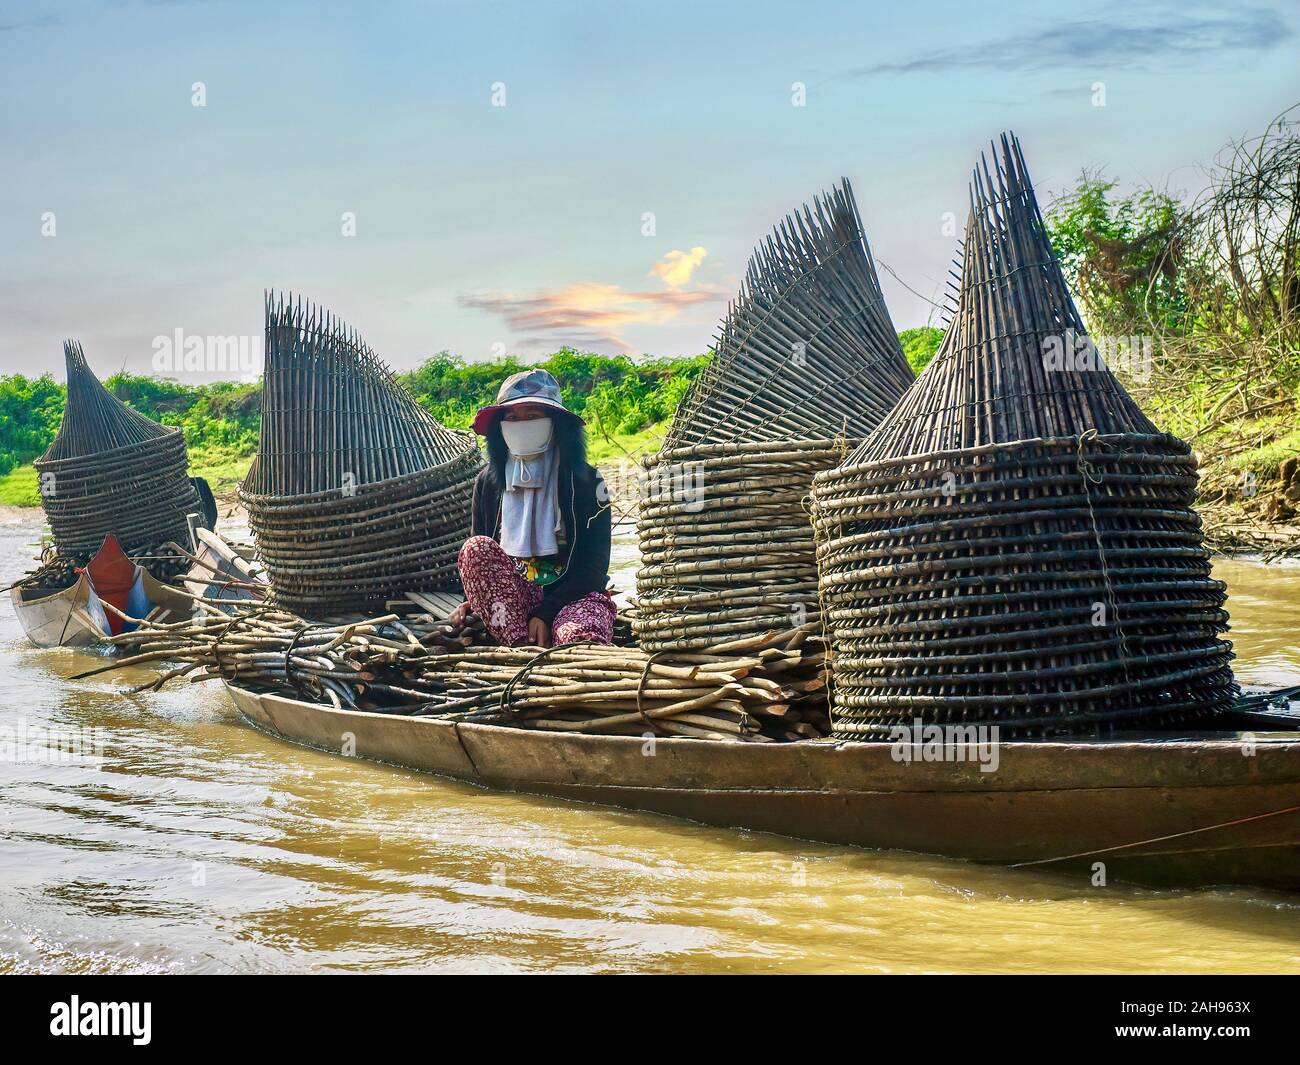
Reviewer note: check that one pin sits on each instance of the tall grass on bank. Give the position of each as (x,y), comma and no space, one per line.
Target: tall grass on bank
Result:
(1212,286)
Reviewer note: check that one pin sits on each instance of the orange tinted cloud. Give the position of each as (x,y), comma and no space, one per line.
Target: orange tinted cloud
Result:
(588,314)
(675,268)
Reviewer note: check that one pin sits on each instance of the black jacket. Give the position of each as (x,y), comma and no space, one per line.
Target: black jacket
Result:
(584,505)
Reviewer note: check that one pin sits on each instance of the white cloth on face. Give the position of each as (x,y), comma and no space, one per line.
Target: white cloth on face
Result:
(530,510)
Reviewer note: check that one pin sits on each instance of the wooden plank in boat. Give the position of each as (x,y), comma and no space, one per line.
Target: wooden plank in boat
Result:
(439,604)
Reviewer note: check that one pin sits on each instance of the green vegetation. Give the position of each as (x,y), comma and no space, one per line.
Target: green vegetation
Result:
(1116,252)
(219,422)
(627,404)
(919,345)
(1210,287)
(30,411)
(18,488)
(626,396)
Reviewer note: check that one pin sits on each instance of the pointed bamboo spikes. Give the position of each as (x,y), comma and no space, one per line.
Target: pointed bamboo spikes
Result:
(95,420)
(807,349)
(333,415)
(1004,370)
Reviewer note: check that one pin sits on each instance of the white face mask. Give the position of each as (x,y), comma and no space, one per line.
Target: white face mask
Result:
(527,438)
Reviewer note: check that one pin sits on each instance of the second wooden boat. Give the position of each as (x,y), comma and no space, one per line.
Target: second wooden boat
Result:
(74,615)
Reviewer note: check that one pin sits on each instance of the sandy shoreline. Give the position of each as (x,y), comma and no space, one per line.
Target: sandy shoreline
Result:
(8,513)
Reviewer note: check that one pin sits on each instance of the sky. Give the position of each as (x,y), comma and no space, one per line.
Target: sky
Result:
(509,178)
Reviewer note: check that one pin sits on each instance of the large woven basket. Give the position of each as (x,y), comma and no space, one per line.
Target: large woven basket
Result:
(807,361)
(357,492)
(1015,544)
(110,469)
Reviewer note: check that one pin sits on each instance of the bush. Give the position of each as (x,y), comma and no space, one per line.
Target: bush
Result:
(30,412)
(615,394)
(920,344)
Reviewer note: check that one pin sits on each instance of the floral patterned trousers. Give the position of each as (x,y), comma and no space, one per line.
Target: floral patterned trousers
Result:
(498,594)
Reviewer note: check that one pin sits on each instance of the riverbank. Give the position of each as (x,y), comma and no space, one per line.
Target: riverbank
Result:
(1249,497)
(16,515)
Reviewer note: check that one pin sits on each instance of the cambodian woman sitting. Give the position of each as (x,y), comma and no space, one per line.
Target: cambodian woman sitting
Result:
(537,563)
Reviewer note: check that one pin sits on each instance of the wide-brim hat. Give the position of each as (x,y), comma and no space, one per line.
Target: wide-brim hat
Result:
(527,386)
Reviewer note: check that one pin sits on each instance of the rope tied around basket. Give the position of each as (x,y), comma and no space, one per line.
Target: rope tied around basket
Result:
(827,670)
(1090,476)
(1088,436)
(841,443)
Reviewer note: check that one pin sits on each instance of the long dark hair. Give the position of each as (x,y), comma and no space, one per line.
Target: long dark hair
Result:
(569,436)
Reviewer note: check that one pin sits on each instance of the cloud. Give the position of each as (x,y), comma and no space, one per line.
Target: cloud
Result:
(1095,43)
(42,22)
(675,268)
(587,314)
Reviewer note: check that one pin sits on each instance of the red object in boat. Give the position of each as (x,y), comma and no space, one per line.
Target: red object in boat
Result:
(112,574)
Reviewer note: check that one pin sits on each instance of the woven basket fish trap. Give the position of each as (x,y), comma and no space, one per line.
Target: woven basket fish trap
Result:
(807,361)
(357,492)
(110,469)
(1015,544)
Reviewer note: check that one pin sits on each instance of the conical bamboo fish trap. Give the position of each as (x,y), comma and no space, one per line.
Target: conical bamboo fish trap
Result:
(1014,545)
(807,361)
(110,469)
(357,492)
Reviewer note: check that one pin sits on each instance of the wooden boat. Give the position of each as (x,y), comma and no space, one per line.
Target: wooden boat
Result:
(74,616)
(222,572)
(1189,809)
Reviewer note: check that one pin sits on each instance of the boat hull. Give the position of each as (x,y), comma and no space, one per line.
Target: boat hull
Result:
(58,619)
(61,618)
(1195,810)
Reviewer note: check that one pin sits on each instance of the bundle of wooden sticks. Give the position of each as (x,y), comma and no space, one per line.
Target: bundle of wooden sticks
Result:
(354,664)
(770,689)
(765,688)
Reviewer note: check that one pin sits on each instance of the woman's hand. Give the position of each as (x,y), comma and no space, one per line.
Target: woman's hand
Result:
(539,633)
(459,615)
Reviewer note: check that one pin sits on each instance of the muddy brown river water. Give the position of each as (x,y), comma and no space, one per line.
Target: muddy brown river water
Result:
(199,844)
